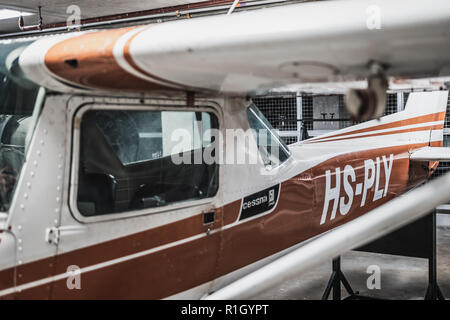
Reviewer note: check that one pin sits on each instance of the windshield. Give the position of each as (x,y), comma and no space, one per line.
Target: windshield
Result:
(271,147)
(18,98)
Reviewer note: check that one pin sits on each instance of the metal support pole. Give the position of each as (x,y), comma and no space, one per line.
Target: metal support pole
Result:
(433,291)
(299,116)
(337,283)
(400,102)
(337,277)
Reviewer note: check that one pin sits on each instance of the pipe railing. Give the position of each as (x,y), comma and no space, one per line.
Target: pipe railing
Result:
(380,221)
(147,18)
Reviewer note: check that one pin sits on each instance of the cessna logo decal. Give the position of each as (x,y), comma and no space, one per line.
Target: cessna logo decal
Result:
(372,172)
(259,202)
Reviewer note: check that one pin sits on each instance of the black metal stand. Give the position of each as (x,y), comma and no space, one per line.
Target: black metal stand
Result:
(403,242)
(337,277)
(433,291)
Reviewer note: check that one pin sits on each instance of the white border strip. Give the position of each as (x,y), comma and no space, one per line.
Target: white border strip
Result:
(363,134)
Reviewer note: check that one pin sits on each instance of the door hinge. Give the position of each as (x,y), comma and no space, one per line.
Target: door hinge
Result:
(52,235)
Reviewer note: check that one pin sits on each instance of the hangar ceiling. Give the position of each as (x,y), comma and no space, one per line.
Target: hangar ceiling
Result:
(56,11)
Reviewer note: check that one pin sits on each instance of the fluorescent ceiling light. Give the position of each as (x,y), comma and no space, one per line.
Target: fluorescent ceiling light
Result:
(7,14)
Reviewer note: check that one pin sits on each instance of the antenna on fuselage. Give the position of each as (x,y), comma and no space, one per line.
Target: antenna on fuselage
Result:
(233,6)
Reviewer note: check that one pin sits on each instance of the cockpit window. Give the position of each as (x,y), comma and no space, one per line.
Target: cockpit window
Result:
(273,150)
(18,100)
(133,159)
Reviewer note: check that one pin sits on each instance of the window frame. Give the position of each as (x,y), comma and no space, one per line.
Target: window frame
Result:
(276,136)
(155,105)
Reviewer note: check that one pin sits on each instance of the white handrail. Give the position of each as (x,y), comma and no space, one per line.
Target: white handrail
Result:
(378,222)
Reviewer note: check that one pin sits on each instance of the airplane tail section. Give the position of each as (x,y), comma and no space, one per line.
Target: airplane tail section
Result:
(420,123)
(427,102)
(430,107)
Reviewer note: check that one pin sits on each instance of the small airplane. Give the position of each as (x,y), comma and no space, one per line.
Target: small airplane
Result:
(133,165)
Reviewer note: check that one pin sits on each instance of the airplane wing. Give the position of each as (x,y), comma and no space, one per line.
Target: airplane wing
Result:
(253,51)
(431,154)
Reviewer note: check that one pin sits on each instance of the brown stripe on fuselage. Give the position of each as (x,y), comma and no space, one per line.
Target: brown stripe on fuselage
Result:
(296,218)
(439,143)
(93,64)
(435,127)
(439,116)
(123,246)
(6,278)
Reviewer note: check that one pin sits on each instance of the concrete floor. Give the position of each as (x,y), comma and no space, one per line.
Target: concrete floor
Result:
(401,277)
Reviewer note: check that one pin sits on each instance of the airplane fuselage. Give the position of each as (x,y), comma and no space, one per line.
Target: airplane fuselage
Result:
(189,248)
